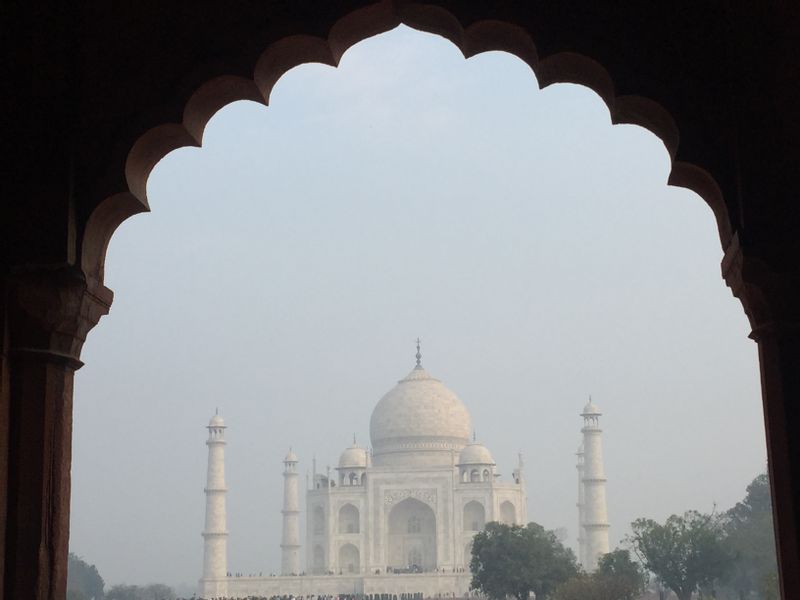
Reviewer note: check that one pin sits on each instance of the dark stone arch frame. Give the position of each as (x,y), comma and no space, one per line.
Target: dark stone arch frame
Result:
(737,111)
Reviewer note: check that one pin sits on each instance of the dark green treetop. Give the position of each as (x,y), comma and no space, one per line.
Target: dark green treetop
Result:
(83,580)
(511,560)
(686,552)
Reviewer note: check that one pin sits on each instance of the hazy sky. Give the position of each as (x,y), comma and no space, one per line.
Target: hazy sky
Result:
(288,265)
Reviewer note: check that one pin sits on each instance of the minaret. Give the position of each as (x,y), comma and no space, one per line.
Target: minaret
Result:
(519,472)
(314,472)
(581,503)
(215,535)
(290,541)
(595,511)
(521,482)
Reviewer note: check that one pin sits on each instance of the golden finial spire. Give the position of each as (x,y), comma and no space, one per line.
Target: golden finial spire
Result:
(419,355)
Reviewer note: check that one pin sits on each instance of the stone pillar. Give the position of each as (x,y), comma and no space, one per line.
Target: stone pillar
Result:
(595,523)
(290,540)
(771,301)
(580,505)
(215,534)
(779,354)
(46,314)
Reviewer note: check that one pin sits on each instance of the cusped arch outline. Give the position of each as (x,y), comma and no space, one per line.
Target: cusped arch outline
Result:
(294,50)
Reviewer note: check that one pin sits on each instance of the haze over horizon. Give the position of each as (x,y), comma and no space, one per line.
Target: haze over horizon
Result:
(289,264)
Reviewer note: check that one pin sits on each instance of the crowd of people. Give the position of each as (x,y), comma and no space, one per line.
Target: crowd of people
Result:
(406,596)
(389,571)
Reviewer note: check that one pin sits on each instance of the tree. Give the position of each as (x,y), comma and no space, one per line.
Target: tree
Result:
(685,553)
(595,586)
(158,591)
(510,560)
(617,578)
(154,591)
(770,587)
(83,580)
(751,540)
(617,566)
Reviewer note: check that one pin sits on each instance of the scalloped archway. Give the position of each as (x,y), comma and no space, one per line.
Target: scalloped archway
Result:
(292,51)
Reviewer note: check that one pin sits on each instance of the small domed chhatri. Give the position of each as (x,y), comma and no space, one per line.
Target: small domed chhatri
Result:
(475,453)
(216,421)
(591,409)
(353,457)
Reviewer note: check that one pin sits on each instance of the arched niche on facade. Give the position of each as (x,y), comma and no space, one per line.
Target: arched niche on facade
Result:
(412,536)
(318,520)
(487,475)
(474,516)
(349,559)
(508,513)
(474,476)
(318,560)
(353,479)
(349,519)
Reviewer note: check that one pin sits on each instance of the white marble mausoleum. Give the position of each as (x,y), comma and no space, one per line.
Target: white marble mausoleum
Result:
(396,519)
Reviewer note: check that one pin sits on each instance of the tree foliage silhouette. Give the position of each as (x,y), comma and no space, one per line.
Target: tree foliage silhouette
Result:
(686,553)
(83,580)
(750,538)
(511,560)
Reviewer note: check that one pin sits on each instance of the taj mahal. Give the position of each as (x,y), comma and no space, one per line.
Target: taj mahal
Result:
(398,518)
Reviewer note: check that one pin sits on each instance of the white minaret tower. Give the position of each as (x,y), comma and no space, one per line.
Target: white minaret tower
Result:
(290,541)
(215,535)
(519,478)
(581,504)
(595,510)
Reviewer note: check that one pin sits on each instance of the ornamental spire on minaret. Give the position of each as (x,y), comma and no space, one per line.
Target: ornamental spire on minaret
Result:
(595,509)
(290,540)
(215,535)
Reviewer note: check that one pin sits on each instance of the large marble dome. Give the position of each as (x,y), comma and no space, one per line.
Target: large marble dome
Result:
(419,422)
